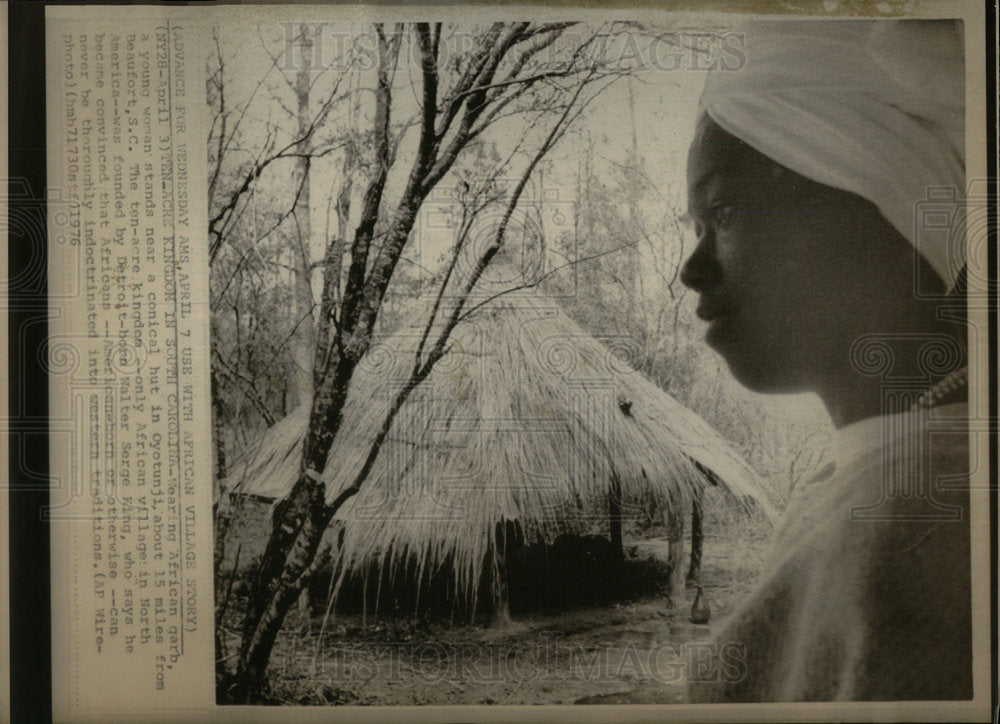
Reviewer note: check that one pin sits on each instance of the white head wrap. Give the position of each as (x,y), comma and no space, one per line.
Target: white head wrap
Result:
(873,107)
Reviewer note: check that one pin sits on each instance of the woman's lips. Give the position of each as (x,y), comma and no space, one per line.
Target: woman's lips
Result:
(716,314)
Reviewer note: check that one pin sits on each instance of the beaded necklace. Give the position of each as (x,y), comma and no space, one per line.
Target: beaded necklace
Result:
(946,387)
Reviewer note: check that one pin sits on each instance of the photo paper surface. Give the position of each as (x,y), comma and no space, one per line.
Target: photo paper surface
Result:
(531,361)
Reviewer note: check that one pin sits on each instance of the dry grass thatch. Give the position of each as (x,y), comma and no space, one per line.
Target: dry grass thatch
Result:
(526,417)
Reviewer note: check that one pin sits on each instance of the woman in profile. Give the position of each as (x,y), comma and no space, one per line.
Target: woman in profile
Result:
(805,179)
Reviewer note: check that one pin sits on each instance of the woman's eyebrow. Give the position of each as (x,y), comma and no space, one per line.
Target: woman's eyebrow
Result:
(714,182)
(709,175)
(708,192)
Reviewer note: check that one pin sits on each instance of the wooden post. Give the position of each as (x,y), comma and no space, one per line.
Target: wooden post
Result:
(615,515)
(508,539)
(616,566)
(501,614)
(675,536)
(697,537)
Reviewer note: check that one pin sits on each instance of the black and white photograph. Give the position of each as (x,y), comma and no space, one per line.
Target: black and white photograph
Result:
(489,362)
(498,315)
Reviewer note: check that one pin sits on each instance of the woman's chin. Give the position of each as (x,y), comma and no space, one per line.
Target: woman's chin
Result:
(759,370)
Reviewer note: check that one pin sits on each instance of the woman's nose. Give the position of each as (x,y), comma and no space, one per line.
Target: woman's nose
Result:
(701,270)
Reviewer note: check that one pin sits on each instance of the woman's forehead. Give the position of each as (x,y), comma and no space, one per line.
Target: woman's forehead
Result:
(712,151)
(716,154)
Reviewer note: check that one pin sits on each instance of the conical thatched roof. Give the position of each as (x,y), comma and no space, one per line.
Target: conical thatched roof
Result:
(526,417)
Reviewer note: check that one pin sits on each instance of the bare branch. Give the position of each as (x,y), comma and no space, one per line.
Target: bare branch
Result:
(547,275)
(388,57)
(248,387)
(554,134)
(221,114)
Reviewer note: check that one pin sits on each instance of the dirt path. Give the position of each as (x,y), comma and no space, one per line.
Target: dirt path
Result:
(630,652)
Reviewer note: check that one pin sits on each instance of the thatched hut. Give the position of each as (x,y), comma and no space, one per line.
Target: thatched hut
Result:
(527,421)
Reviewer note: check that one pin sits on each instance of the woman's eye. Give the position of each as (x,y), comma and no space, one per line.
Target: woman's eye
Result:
(722,215)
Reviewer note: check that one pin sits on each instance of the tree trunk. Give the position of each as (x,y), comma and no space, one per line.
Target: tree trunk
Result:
(298,522)
(697,537)
(218,429)
(632,271)
(221,513)
(279,581)
(303,342)
(220,510)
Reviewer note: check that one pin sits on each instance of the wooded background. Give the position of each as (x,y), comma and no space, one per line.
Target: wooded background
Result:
(360,173)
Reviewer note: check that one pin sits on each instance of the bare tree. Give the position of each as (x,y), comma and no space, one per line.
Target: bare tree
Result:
(259,319)
(539,73)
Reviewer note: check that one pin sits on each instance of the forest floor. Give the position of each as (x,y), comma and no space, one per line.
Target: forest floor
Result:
(634,650)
